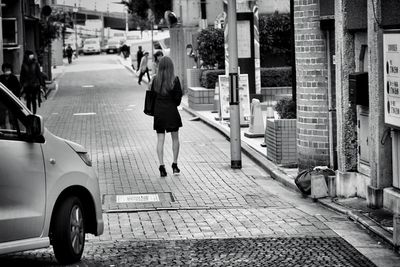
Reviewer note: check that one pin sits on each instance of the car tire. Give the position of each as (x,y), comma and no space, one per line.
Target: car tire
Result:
(69,231)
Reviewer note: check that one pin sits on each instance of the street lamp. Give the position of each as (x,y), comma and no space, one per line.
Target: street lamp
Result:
(75,11)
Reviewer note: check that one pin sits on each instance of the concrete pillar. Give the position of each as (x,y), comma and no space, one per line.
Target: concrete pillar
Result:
(180,37)
(346,113)
(312,86)
(380,155)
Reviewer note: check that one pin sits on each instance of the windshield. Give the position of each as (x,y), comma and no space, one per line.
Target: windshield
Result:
(91,42)
(113,42)
(133,37)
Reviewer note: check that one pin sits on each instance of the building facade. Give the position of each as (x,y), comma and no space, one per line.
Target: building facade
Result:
(341,95)
(21,18)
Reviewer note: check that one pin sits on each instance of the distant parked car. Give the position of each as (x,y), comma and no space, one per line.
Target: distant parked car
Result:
(49,192)
(91,46)
(113,46)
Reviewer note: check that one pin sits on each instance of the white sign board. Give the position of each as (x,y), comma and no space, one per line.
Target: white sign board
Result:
(244,95)
(244,39)
(391,41)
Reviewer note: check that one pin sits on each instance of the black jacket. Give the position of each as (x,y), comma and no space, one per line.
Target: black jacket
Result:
(12,83)
(31,76)
(166,114)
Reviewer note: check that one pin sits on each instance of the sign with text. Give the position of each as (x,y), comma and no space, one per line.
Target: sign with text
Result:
(243,39)
(391,42)
(244,95)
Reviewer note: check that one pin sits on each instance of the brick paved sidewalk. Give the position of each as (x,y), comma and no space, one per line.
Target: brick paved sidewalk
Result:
(207,200)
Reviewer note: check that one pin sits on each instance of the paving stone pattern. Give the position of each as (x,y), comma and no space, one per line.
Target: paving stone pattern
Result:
(271,251)
(122,144)
(216,216)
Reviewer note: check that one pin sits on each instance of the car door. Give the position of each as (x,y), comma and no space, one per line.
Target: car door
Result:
(22,175)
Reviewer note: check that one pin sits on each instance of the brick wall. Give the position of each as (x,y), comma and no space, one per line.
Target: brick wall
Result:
(311,75)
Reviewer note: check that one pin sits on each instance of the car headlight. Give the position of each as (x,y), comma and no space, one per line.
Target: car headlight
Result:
(86,158)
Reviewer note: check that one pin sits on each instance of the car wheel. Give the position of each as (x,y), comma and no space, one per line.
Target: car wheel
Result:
(69,231)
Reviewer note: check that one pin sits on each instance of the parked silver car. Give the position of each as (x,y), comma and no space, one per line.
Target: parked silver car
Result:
(49,192)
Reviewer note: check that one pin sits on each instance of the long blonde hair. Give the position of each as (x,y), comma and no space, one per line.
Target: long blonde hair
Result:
(164,80)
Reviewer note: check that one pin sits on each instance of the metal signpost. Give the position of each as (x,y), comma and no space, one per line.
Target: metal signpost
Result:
(236,157)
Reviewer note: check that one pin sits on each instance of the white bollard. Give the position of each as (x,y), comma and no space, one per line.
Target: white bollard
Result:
(256,128)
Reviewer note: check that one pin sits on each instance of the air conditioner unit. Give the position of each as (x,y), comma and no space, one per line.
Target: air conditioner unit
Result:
(10,36)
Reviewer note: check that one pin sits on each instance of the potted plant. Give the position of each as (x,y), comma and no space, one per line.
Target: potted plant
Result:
(280,134)
(201,81)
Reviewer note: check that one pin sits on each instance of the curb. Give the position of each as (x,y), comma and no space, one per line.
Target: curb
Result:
(126,66)
(259,159)
(279,176)
(372,226)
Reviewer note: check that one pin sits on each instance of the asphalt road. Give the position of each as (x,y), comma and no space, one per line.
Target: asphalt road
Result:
(209,215)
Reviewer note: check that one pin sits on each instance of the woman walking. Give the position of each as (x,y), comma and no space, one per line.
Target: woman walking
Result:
(143,69)
(166,116)
(31,80)
(156,60)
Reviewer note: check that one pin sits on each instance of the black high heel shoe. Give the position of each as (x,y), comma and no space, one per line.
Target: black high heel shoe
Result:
(163,172)
(175,168)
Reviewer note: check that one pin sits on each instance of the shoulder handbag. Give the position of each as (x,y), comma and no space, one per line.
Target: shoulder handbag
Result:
(149,102)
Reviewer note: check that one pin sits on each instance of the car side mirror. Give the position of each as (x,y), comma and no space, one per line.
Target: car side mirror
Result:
(35,126)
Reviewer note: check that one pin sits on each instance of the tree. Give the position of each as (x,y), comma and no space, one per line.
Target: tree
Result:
(211,48)
(140,8)
(275,35)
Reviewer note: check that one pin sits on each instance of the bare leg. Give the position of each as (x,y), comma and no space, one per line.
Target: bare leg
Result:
(160,147)
(175,145)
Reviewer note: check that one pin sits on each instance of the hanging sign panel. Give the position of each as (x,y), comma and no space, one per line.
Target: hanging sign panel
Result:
(391,41)
(244,95)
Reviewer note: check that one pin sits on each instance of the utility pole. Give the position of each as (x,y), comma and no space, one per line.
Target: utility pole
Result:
(126,24)
(234,104)
(75,11)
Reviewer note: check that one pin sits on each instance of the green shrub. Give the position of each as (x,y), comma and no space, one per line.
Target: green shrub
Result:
(275,36)
(276,77)
(286,108)
(211,48)
(210,77)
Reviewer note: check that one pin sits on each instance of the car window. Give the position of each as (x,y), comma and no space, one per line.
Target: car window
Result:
(157,45)
(11,126)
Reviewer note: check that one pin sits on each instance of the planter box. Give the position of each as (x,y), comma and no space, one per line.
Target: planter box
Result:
(201,98)
(193,77)
(270,95)
(280,138)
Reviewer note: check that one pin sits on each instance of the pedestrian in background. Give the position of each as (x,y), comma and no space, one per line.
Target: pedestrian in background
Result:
(166,116)
(31,80)
(10,80)
(139,56)
(156,60)
(69,52)
(143,69)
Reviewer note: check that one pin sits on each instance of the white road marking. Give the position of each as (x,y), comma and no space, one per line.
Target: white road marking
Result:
(88,86)
(84,114)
